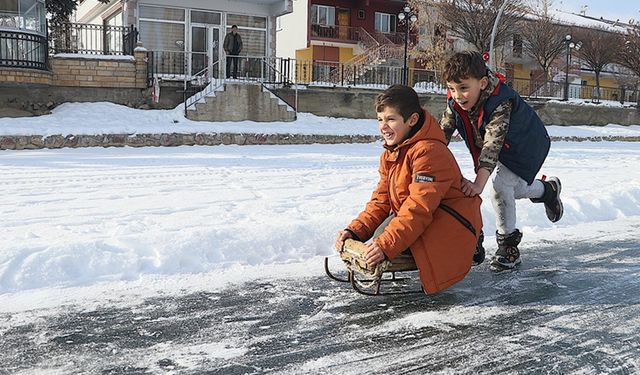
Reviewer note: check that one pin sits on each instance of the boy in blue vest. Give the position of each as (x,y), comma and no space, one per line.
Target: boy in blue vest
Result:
(503,133)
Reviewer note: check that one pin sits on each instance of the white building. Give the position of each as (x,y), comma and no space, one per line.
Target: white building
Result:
(171,28)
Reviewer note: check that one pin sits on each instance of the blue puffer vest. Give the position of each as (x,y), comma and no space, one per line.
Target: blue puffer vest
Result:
(527,142)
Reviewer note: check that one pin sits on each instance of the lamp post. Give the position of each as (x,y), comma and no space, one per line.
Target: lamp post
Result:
(570,44)
(409,16)
(493,34)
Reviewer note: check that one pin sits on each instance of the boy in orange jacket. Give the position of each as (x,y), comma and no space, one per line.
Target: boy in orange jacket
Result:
(420,191)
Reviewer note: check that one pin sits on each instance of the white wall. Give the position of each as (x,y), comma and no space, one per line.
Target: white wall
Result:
(291,31)
(91,11)
(229,6)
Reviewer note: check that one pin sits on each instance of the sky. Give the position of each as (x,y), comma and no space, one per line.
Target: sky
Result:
(619,9)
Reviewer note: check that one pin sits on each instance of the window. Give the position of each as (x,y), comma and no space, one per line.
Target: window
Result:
(158,13)
(162,29)
(247,21)
(205,17)
(323,15)
(159,36)
(253,30)
(23,14)
(517,45)
(385,23)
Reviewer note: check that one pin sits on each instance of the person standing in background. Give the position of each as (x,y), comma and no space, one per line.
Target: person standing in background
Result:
(232,47)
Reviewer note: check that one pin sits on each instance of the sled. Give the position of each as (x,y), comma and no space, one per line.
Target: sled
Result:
(366,280)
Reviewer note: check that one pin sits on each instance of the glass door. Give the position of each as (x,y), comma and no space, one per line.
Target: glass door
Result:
(215,52)
(205,51)
(199,50)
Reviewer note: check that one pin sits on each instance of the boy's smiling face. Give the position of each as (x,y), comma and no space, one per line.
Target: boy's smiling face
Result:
(467,92)
(393,127)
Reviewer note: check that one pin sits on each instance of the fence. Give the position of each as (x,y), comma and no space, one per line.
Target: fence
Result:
(93,39)
(284,71)
(23,50)
(555,90)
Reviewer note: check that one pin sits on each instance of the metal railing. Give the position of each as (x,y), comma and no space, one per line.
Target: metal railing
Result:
(347,34)
(539,89)
(265,70)
(93,39)
(23,50)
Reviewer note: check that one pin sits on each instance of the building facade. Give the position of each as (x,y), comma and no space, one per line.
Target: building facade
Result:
(186,36)
(338,41)
(23,34)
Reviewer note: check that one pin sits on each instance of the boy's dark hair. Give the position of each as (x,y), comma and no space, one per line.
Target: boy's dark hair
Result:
(402,98)
(234,26)
(464,65)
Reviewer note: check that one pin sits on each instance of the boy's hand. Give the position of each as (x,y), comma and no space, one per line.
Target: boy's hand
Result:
(374,254)
(340,238)
(471,189)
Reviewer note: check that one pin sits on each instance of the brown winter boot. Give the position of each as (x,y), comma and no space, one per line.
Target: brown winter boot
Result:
(508,255)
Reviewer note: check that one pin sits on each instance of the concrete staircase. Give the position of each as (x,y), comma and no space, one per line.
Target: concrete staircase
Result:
(240,102)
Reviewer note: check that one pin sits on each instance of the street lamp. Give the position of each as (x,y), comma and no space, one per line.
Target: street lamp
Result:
(408,16)
(570,44)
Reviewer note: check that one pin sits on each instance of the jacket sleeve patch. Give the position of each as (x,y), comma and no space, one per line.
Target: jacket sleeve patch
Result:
(421,177)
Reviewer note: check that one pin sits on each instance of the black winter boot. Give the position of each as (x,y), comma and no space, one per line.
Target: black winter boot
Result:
(508,256)
(551,199)
(478,256)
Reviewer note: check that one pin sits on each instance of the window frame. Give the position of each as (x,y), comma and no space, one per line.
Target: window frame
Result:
(329,10)
(391,22)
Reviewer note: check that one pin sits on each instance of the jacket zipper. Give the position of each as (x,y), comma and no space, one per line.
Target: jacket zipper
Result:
(392,190)
(458,217)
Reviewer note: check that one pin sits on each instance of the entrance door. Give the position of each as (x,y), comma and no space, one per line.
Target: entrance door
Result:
(344,16)
(205,51)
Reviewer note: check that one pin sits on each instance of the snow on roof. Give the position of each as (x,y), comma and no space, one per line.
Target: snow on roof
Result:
(583,20)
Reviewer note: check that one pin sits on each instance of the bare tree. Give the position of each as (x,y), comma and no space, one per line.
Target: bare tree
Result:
(543,37)
(599,49)
(472,20)
(431,49)
(629,54)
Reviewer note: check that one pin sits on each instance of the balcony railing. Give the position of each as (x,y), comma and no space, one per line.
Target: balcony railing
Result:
(346,34)
(93,39)
(23,50)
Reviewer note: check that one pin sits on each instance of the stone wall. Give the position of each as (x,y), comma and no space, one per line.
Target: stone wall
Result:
(27,142)
(358,103)
(563,114)
(172,139)
(121,80)
(19,76)
(349,103)
(87,72)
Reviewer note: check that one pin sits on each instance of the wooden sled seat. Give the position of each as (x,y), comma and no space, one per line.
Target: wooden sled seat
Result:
(352,256)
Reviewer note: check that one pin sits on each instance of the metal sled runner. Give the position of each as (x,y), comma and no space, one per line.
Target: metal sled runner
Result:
(368,281)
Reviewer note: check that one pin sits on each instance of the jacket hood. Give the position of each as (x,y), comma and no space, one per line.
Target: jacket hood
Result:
(430,130)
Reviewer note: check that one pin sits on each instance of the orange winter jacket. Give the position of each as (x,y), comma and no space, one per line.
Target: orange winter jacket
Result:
(420,183)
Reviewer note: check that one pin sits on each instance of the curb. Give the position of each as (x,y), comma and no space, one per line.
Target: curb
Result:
(33,142)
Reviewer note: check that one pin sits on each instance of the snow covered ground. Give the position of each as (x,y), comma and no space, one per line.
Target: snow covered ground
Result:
(108,118)
(189,259)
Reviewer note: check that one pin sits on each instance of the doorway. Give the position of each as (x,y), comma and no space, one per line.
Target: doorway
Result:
(344,20)
(205,51)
